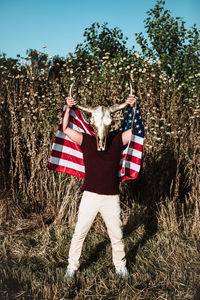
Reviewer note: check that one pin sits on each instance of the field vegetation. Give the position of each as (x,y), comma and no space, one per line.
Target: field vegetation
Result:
(160,210)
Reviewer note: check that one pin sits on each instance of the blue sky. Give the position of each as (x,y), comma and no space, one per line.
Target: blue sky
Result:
(59,24)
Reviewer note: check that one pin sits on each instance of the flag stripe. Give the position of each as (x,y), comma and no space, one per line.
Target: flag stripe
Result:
(67,163)
(136,146)
(76,125)
(132,175)
(66,143)
(66,170)
(132,152)
(76,116)
(65,156)
(137,139)
(131,165)
(132,159)
(79,118)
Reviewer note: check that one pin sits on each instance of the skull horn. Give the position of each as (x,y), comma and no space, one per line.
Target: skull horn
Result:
(70,90)
(87,109)
(81,107)
(131,89)
(117,107)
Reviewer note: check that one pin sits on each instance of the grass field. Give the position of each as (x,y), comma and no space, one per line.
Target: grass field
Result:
(164,262)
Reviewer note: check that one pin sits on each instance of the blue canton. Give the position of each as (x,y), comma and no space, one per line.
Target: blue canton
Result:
(132,121)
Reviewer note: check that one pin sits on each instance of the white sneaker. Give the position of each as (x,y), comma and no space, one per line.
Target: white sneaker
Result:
(122,272)
(69,274)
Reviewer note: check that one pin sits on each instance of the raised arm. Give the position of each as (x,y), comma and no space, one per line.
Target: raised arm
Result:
(126,135)
(75,136)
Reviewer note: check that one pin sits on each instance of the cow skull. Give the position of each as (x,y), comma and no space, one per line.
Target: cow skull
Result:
(101,120)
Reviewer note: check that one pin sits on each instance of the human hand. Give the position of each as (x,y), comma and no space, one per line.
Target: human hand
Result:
(131,100)
(70,101)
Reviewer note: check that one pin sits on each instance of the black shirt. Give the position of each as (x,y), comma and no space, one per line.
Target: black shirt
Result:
(102,167)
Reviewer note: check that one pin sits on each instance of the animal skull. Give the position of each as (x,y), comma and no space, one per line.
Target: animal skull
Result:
(101,119)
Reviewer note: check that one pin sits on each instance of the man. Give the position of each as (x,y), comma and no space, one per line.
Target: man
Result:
(100,190)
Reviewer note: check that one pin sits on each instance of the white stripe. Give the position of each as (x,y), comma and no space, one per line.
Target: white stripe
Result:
(73,114)
(66,163)
(135,153)
(75,127)
(130,166)
(137,139)
(120,174)
(61,135)
(132,152)
(67,150)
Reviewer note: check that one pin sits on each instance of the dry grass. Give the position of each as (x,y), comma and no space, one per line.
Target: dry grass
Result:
(162,266)
(38,208)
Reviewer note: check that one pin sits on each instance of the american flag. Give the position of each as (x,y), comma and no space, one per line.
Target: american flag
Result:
(67,157)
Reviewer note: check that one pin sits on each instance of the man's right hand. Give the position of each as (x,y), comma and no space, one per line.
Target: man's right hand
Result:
(75,136)
(70,101)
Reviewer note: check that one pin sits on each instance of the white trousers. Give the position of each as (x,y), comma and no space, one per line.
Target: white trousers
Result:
(109,207)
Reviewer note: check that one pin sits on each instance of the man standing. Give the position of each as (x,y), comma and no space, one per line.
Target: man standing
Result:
(100,190)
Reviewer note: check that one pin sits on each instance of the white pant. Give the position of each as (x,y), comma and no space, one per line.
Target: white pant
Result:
(109,207)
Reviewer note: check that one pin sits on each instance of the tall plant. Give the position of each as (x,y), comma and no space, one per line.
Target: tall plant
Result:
(176,48)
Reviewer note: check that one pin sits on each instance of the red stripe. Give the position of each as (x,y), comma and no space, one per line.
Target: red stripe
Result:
(66,143)
(68,157)
(79,115)
(75,122)
(132,159)
(136,146)
(78,123)
(66,170)
(132,174)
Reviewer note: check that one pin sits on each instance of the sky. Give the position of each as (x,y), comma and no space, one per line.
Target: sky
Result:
(59,24)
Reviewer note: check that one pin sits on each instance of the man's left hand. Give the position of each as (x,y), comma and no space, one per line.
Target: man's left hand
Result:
(131,100)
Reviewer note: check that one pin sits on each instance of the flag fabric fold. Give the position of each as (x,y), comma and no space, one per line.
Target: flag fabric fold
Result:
(67,157)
